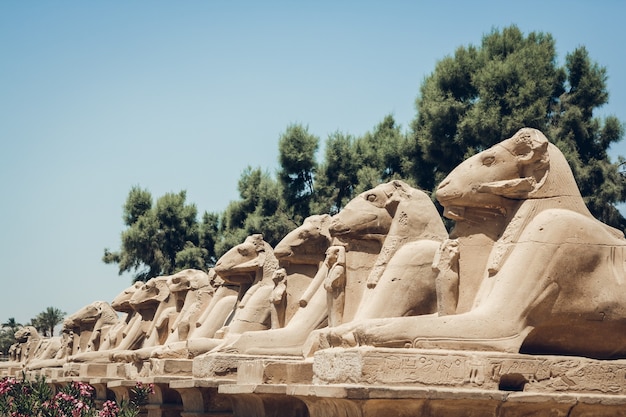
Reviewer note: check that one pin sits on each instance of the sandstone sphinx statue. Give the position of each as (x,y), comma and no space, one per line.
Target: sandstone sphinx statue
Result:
(357,280)
(251,265)
(410,230)
(82,332)
(191,290)
(91,325)
(27,343)
(211,318)
(57,352)
(304,246)
(122,335)
(155,304)
(529,269)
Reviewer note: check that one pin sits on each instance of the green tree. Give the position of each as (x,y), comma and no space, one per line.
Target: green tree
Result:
(160,239)
(7,334)
(484,94)
(261,209)
(338,174)
(37,323)
(11,324)
(7,338)
(382,155)
(586,139)
(47,320)
(297,148)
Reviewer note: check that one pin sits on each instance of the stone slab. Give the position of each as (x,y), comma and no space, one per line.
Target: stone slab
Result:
(195,383)
(173,367)
(462,369)
(225,365)
(273,371)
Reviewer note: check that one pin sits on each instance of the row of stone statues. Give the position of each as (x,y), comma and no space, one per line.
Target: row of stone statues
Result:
(525,269)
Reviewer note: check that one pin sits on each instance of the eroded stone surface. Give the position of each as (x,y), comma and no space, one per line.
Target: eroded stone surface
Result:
(485,370)
(470,323)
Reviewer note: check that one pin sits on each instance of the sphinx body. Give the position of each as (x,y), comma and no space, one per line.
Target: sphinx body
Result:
(156,306)
(143,325)
(304,246)
(57,352)
(251,266)
(211,318)
(404,231)
(536,272)
(125,333)
(191,290)
(91,325)
(82,332)
(411,231)
(27,343)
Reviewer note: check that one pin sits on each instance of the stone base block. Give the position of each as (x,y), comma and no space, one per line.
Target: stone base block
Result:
(135,370)
(52,373)
(272,371)
(116,370)
(172,367)
(462,369)
(225,365)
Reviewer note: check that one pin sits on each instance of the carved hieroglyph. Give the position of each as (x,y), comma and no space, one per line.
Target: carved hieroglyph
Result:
(537,273)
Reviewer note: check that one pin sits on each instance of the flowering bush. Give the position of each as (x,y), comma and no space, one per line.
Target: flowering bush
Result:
(34,398)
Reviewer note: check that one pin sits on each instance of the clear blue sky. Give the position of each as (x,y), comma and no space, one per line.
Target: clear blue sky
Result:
(96,97)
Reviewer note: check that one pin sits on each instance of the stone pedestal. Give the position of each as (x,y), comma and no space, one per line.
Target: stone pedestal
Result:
(224,366)
(462,369)
(171,367)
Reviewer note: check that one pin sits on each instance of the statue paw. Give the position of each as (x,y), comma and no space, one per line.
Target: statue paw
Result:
(350,339)
(317,340)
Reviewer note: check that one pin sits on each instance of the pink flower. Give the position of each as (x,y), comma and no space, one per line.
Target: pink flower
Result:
(109,409)
(84,389)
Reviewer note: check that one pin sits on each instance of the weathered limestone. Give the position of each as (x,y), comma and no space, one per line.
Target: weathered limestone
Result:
(302,254)
(542,275)
(251,265)
(191,290)
(123,335)
(520,311)
(407,224)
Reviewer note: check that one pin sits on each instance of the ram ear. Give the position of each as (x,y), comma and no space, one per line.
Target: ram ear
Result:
(258,242)
(397,191)
(164,290)
(517,188)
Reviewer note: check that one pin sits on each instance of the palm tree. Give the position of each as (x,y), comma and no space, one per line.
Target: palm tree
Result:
(11,324)
(48,319)
(7,334)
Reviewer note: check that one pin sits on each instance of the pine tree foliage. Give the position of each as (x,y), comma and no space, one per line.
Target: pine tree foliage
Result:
(473,99)
(260,209)
(482,95)
(164,238)
(297,148)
